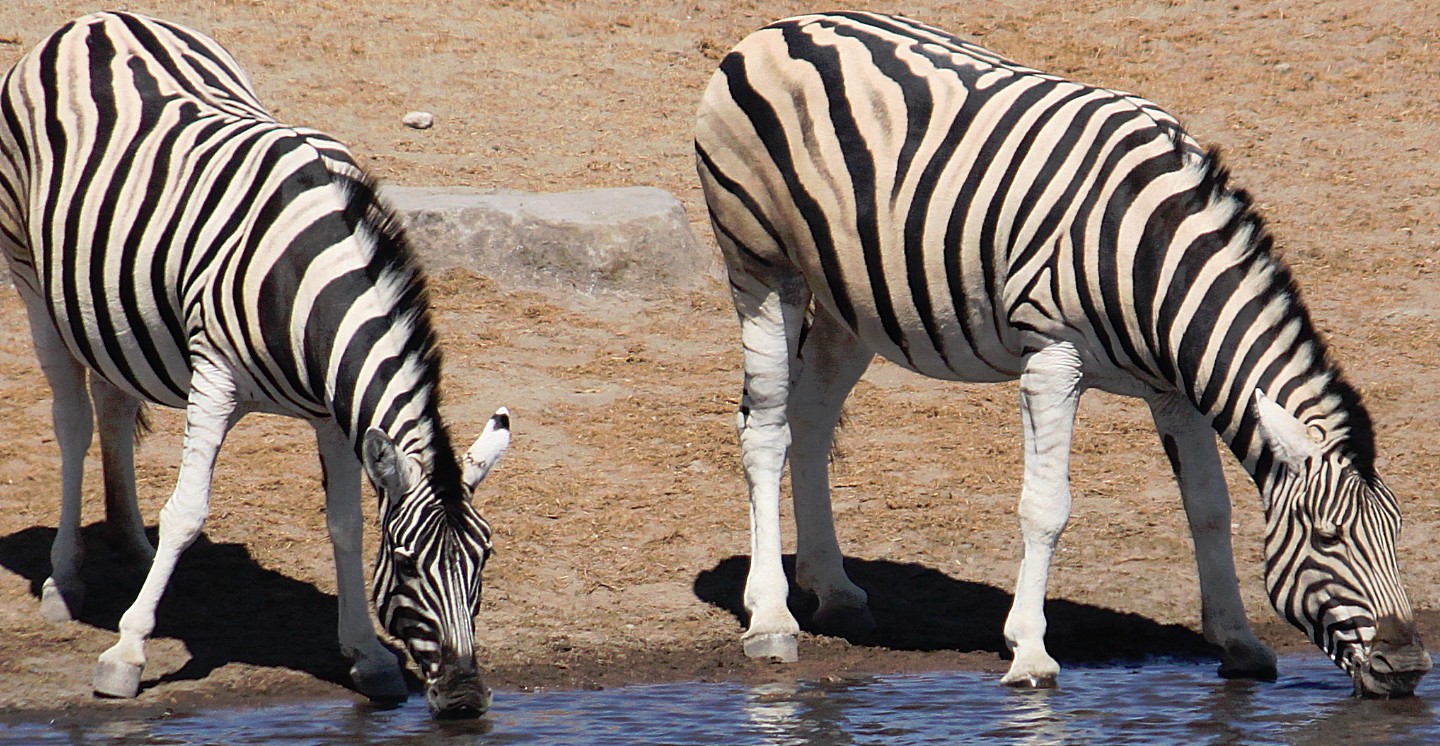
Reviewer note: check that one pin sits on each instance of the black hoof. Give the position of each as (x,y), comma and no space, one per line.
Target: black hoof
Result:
(853,623)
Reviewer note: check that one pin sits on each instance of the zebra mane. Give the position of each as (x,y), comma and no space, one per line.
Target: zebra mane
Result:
(1260,257)
(393,263)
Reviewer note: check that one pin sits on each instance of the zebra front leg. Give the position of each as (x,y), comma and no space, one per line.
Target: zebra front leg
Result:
(770,322)
(208,417)
(375,670)
(63,593)
(1190,444)
(118,414)
(831,360)
(1050,388)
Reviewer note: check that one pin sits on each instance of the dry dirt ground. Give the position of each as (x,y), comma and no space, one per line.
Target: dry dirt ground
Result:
(620,514)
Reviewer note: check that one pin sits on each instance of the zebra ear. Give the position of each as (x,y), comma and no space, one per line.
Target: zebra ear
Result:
(488,449)
(1285,435)
(384,464)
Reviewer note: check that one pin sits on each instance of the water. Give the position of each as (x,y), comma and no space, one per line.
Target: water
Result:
(1162,702)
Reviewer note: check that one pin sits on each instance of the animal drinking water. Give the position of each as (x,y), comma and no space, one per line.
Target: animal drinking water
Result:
(878,186)
(175,244)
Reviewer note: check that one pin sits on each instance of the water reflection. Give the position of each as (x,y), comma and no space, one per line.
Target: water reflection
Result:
(1368,721)
(791,714)
(1030,719)
(1161,702)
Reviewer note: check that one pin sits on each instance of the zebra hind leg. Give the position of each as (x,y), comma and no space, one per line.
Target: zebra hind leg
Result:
(63,593)
(831,360)
(1050,388)
(771,316)
(121,418)
(1190,443)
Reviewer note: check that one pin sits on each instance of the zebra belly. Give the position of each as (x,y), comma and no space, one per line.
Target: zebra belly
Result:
(940,345)
(129,348)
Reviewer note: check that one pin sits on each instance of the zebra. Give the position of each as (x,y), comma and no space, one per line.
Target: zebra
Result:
(880,186)
(176,245)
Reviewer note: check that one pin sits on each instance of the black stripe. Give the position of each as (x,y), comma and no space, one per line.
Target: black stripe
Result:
(773,136)
(737,190)
(860,167)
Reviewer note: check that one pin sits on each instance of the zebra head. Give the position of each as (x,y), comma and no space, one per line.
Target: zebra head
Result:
(432,549)
(1330,557)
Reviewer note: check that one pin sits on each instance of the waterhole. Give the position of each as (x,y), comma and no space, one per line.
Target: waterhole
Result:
(1159,702)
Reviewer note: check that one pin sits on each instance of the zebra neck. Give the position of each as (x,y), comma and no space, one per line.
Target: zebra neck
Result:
(1316,394)
(401,401)
(1229,321)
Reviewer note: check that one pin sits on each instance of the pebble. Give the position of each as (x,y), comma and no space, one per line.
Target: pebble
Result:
(420,120)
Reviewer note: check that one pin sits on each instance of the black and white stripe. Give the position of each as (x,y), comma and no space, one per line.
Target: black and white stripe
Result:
(180,245)
(880,186)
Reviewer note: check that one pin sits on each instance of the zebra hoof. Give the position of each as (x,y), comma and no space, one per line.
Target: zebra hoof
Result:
(1248,662)
(384,684)
(777,647)
(1029,681)
(117,679)
(61,605)
(1032,672)
(852,623)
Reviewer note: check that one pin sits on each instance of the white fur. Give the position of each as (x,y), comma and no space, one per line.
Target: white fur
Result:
(1286,436)
(487,450)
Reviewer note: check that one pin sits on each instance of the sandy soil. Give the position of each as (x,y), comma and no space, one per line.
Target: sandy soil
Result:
(620,513)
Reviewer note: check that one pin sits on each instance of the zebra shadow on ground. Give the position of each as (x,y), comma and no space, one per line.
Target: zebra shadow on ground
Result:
(221,604)
(922,609)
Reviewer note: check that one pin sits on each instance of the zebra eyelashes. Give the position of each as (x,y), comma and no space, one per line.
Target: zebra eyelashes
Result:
(487,449)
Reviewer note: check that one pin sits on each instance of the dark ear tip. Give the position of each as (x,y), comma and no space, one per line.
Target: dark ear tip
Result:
(502,420)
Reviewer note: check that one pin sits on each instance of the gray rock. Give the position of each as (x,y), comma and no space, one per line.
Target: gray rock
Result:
(420,120)
(599,239)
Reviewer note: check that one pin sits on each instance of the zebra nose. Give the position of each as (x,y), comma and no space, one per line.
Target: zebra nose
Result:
(1397,648)
(1411,659)
(1396,662)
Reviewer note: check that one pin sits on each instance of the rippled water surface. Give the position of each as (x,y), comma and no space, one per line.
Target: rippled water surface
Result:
(1160,702)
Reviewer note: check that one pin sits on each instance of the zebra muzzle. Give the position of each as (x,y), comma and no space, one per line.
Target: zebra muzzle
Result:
(1395,663)
(457,693)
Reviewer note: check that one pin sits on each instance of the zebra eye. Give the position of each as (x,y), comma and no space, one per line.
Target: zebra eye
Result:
(404,563)
(1327,537)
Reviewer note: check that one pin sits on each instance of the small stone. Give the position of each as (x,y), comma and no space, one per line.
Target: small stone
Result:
(1282,67)
(420,120)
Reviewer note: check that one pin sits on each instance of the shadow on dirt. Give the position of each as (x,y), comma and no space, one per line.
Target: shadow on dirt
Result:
(222,604)
(918,608)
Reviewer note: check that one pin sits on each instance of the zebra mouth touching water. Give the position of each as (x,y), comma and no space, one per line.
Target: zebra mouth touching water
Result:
(1384,670)
(1395,678)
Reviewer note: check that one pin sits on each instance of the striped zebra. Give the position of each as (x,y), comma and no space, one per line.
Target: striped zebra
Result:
(175,244)
(878,186)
